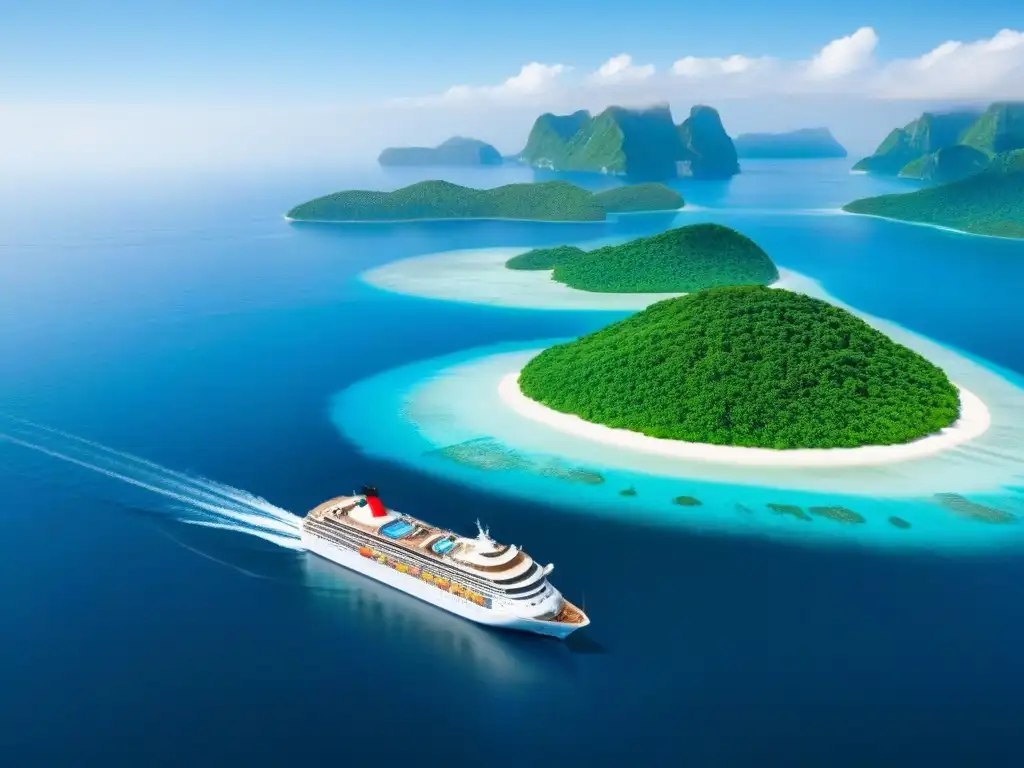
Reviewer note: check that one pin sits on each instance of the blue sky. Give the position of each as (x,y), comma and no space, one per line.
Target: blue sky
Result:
(83,50)
(100,83)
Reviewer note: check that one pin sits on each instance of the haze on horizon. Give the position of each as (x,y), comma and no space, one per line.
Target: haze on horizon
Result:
(263,88)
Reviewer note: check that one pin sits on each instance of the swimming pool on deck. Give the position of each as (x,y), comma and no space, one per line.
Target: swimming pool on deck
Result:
(396,529)
(443,546)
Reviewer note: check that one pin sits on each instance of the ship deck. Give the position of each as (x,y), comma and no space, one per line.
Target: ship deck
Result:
(569,614)
(415,541)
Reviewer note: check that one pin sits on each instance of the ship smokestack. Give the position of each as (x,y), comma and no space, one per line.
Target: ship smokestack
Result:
(374,502)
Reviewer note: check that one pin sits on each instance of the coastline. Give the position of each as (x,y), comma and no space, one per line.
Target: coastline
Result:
(940,227)
(479,276)
(449,218)
(975,419)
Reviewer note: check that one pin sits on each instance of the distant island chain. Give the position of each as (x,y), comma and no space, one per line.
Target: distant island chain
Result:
(542,201)
(634,142)
(977,159)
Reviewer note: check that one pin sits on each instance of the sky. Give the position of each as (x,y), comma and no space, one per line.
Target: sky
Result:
(101,82)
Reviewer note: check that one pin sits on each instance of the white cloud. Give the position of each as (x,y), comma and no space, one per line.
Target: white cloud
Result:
(845,55)
(621,68)
(690,66)
(534,79)
(988,69)
(991,68)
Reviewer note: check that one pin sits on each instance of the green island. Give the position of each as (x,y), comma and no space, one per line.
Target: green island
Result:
(944,147)
(456,151)
(541,201)
(635,142)
(640,198)
(987,203)
(928,133)
(746,366)
(804,143)
(680,260)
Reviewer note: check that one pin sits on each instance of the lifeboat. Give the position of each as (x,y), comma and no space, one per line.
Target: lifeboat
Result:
(366,552)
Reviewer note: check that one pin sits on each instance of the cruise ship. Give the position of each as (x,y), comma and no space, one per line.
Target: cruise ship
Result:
(475,578)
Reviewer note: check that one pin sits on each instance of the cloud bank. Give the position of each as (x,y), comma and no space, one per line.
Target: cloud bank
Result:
(843,84)
(988,69)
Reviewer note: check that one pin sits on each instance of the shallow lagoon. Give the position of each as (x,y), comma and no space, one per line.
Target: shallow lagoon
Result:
(212,338)
(451,421)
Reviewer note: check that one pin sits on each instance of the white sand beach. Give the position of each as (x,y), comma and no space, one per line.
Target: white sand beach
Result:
(928,225)
(479,276)
(974,420)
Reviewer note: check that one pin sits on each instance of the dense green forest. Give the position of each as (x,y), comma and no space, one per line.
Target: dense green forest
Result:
(544,258)
(746,366)
(637,198)
(642,143)
(680,260)
(947,164)
(542,201)
(987,203)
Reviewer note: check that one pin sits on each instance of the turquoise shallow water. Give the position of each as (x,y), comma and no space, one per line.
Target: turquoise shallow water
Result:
(443,416)
(182,321)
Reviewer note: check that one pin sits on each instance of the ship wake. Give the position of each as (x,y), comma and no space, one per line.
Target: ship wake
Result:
(196,499)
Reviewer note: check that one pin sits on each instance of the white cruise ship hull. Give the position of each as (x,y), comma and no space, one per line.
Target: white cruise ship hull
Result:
(495,616)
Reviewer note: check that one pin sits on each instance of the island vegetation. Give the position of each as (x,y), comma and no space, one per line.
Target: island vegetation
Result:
(928,133)
(680,260)
(746,366)
(944,147)
(541,201)
(987,203)
(805,143)
(947,164)
(640,198)
(642,143)
(456,151)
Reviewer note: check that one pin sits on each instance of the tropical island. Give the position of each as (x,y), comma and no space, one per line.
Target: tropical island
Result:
(456,151)
(681,260)
(805,143)
(990,202)
(642,143)
(747,366)
(541,201)
(943,147)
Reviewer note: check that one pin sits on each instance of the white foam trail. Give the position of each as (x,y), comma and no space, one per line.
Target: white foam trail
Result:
(199,485)
(207,503)
(281,541)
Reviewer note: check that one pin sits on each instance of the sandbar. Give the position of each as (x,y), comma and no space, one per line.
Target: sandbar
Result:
(479,276)
(974,421)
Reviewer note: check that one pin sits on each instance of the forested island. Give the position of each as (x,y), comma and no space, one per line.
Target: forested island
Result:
(990,202)
(746,366)
(541,201)
(456,151)
(949,146)
(805,143)
(635,142)
(680,260)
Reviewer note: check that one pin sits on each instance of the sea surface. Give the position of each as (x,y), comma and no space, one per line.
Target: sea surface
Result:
(156,610)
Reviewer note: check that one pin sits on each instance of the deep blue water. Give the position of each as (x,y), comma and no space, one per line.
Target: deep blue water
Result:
(182,321)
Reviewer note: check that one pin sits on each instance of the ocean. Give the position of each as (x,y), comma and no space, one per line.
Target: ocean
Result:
(183,323)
